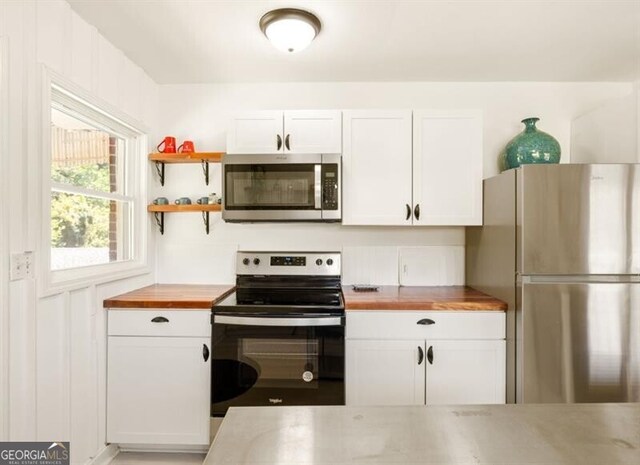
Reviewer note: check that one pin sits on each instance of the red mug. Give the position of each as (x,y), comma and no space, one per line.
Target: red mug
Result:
(169,144)
(187,147)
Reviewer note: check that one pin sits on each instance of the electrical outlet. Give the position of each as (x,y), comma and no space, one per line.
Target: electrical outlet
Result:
(17,268)
(28,265)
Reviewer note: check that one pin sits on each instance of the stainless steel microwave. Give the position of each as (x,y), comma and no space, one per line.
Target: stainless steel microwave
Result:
(282,187)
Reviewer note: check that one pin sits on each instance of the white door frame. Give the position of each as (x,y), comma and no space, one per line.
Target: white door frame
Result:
(4,244)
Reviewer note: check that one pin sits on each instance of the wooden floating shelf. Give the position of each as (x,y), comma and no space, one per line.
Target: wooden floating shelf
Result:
(196,157)
(172,208)
(159,211)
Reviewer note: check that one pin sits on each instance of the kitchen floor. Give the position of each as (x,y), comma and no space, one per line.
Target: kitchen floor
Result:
(161,458)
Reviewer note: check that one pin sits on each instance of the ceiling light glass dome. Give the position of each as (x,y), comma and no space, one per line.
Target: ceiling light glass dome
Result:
(290,29)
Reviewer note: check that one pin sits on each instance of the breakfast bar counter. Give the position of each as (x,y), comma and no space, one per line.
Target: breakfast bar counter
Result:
(571,434)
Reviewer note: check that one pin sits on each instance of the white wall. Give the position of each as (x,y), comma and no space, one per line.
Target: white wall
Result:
(57,343)
(608,134)
(201,112)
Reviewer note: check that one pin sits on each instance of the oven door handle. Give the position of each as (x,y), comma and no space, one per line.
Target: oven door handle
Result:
(317,186)
(282,321)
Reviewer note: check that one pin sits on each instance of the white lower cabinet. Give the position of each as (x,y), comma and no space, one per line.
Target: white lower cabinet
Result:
(384,373)
(445,366)
(158,387)
(465,372)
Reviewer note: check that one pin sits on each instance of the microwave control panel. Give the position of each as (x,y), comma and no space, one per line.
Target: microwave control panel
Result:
(330,183)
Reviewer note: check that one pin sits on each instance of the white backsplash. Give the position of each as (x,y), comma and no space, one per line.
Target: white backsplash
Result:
(438,265)
(431,266)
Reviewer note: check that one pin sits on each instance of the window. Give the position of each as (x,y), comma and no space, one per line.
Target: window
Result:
(95,186)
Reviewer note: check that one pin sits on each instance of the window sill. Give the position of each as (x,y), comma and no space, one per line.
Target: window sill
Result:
(60,281)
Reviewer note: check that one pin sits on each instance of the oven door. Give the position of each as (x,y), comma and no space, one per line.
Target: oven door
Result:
(283,187)
(259,361)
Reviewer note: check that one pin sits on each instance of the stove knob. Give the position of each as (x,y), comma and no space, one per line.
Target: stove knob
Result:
(319,262)
(245,261)
(329,261)
(256,261)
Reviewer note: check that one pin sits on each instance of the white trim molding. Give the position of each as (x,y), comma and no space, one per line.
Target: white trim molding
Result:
(51,282)
(104,455)
(4,243)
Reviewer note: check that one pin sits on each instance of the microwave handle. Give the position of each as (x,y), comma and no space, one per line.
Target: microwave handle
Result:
(318,186)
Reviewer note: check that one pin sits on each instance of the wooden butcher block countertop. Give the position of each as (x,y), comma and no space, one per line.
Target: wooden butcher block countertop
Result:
(421,298)
(188,296)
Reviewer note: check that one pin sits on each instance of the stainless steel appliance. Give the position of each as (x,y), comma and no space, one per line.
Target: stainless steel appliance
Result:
(282,187)
(279,338)
(561,244)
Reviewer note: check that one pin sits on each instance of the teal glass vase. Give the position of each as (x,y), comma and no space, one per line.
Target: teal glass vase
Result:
(531,146)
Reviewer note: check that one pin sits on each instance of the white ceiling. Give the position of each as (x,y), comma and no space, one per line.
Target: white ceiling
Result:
(192,41)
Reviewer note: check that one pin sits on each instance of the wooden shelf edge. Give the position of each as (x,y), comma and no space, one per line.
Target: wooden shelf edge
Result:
(184,208)
(196,157)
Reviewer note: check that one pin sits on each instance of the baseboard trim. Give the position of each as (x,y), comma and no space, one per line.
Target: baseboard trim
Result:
(169,448)
(105,455)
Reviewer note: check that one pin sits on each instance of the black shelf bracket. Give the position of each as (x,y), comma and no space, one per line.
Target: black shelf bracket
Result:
(205,218)
(160,171)
(160,221)
(205,169)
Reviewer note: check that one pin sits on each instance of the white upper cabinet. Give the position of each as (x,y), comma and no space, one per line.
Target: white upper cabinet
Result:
(447,167)
(313,131)
(256,132)
(420,168)
(296,131)
(376,167)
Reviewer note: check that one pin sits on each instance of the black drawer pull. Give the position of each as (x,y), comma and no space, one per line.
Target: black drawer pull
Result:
(430,355)
(205,352)
(426,321)
(160,319)
(420,355)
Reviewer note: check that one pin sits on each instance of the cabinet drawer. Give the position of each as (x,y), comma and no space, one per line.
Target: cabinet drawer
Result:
(404,325)
(184,323)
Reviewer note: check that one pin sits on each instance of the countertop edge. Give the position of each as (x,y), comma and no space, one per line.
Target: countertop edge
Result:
(122,303)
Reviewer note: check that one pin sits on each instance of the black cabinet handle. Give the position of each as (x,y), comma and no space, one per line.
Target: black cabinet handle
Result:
(416,211)
(408,212)
(160,319)
(279,141)
(286,142)
(420,355)
(205,352)
(426,321)
(430,355)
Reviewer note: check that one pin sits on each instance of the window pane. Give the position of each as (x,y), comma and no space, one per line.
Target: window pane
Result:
(83,155)
(88,231)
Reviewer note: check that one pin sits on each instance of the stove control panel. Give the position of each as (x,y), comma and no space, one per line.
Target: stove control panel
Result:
(289,263)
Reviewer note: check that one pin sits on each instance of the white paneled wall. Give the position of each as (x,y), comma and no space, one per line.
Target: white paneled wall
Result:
(56,343)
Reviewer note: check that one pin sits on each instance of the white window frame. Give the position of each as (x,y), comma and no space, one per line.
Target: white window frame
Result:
(54,281)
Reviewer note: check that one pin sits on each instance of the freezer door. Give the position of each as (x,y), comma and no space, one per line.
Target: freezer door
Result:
(578,219)
(579,343)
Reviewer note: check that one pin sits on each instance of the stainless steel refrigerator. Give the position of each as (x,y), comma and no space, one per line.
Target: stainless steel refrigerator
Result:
(561,244)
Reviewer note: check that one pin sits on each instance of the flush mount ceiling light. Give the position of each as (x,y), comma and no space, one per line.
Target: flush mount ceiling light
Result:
(290,29)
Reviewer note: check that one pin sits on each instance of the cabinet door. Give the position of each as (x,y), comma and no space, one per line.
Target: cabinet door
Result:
(314,131)
(385,372)
(158,390)
(376,168)
(447,167)
(256,132)
(465,372)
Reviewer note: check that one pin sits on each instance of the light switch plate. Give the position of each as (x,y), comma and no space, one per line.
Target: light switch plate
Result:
(21,266)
